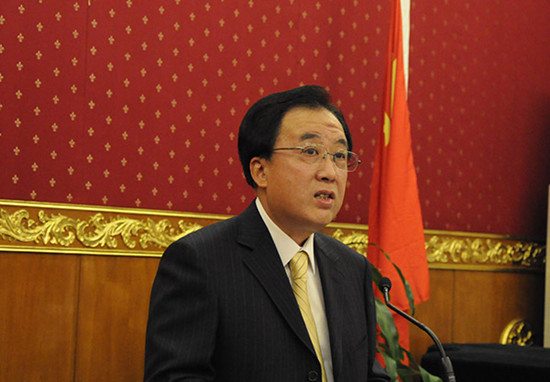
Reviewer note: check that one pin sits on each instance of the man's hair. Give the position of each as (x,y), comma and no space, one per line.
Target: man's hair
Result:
(261,124)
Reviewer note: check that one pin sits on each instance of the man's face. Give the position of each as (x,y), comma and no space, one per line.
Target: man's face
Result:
(300,197)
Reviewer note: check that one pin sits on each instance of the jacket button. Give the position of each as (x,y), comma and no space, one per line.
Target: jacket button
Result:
(312,376)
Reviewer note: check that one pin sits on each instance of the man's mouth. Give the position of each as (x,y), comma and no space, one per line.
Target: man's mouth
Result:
(324,195)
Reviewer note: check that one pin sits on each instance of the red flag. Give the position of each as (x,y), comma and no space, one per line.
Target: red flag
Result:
(395,219)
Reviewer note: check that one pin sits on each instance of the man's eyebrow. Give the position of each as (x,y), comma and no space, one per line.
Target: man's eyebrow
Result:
(307,136)
(343,142)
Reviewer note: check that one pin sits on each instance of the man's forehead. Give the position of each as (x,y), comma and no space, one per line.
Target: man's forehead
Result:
(305,123)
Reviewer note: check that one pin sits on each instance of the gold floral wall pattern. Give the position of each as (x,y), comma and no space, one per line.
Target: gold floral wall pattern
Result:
(52,226)
(137,103)
(36,227)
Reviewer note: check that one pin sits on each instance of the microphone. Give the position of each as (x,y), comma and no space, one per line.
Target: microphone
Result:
(385,285)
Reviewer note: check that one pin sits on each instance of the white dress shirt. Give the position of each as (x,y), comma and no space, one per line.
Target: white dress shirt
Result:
(287,248)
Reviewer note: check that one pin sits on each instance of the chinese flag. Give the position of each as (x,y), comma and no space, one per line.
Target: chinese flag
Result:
(395,219)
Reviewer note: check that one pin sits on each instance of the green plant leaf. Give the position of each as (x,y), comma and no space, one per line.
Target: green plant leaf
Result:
(391,366)
(406,373)
(406,285)
(427,377)
(388,330)
(389,347)
(376,275)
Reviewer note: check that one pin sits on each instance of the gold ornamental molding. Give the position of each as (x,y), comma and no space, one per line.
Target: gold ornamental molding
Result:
(92,230)
(462,250)
(37,227)
(517,332)
(447,249)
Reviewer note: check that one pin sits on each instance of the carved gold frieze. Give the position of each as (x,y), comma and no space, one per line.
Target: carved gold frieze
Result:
(35,227)
(356,240)
(466,250)
(97,231)
(517,332)
(485,250)
(19,226)
(108,231)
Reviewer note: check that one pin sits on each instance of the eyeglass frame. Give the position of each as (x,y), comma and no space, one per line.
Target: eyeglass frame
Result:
(316,146)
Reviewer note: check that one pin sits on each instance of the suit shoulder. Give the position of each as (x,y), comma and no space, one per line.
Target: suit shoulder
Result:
(339,247)
(212,234)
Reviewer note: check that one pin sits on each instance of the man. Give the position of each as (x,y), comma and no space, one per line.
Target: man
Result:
(229,302)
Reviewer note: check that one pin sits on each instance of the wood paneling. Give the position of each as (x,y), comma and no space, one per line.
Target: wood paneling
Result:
(485,302)
(476,306)
(112,317)
(38,299)
(437,313)
(75,285)
(83,318)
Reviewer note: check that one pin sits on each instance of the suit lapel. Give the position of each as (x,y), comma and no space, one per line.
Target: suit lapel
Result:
(264,262)
(332,279)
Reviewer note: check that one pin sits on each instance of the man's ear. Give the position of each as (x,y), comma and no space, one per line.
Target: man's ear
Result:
(258,171)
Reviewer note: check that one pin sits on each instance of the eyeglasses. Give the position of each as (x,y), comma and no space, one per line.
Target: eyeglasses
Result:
(313,153)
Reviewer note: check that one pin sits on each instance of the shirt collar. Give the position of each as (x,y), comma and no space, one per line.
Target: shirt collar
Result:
(286,247)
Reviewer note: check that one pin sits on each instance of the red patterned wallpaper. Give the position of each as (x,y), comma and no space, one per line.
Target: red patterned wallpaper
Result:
(480,114)
(138,103)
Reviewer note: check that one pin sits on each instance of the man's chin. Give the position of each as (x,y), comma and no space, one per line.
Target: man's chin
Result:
(322,222)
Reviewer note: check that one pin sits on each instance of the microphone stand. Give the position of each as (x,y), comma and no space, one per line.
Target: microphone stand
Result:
(449,375)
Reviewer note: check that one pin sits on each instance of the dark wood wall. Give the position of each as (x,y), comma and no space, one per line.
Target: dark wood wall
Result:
(476,306)
(78,311)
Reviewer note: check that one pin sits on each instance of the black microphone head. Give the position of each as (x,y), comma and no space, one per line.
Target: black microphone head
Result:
(384,284)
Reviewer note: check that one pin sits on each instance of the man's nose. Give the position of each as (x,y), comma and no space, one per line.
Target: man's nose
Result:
(328,165)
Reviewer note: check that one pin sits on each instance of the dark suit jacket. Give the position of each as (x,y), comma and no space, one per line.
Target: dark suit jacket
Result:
(222,309)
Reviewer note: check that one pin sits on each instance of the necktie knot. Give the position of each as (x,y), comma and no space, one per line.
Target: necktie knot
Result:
(298,266)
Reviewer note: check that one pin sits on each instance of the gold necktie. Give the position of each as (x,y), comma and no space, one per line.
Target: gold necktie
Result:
(298,271)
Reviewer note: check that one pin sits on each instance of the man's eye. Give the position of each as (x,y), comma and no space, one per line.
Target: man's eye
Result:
(310,151)
(341,155)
